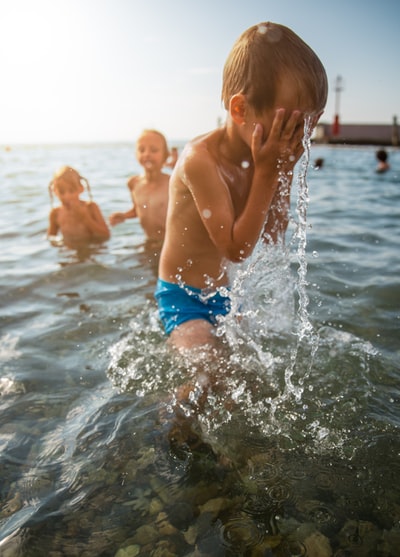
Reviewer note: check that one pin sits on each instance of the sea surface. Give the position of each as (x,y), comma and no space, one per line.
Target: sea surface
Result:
(296,451)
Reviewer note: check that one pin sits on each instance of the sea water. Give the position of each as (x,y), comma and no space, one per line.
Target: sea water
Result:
(296,449)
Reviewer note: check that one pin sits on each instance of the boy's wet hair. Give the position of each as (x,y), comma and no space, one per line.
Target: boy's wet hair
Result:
(71,176)
(261,56)
(161,135)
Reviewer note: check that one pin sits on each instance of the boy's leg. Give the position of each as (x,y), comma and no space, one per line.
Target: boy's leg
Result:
(193,334)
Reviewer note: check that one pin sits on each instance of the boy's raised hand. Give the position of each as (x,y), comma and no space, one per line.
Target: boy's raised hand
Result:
(283,146)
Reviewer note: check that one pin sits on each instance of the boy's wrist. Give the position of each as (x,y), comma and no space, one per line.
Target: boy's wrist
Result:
(270,175)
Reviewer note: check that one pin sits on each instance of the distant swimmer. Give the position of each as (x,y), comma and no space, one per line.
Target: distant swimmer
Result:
(173,157)
(382,158)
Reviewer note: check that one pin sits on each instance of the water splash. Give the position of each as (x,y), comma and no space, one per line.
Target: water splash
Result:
(305,331)
(269,339)
(268,331)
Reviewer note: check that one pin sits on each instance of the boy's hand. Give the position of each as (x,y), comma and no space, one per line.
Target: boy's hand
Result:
(116,218)
(283,146)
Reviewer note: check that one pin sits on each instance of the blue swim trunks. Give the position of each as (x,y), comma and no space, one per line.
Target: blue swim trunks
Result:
(177,304)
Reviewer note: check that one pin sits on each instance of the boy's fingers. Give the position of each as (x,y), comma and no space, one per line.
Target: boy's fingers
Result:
(293,125)
(256,139)
(277,123)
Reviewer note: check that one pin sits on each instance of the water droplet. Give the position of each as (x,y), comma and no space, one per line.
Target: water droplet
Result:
(245,164)
(207,213)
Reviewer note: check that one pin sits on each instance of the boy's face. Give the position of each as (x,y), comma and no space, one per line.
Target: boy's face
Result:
(150,151)
(290,98)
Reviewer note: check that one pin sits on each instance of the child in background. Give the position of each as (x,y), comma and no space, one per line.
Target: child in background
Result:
(382,158)
(77,220)
(173,158)
(149,191)
(232,185)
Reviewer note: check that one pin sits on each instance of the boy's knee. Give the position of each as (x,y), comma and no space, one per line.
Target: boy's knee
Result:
(193,333)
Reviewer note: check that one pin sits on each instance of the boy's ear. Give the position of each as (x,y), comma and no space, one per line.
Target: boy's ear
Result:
(237,108)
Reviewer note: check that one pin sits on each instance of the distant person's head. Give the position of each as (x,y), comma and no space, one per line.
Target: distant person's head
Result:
(173,157)
(319,163)
(270,67)
(382,155)
(382,158)
(151,149)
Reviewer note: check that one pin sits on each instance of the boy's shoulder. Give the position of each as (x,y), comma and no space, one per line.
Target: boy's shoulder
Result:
(90,204)
(54,213)
(133,180)
(205,145)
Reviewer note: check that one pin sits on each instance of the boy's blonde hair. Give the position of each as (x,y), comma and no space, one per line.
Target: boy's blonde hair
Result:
(261,56)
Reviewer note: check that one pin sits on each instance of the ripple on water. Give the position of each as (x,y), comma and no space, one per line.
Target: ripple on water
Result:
(241,533)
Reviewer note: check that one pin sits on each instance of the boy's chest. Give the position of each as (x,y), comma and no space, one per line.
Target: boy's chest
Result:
(238,182)
(148,197)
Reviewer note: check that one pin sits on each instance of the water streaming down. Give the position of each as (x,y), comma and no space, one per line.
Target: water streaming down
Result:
(91,458)
(274,264)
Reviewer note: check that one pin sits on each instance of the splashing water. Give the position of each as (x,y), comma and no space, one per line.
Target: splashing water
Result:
(270,313)
(266,364)
(305,331)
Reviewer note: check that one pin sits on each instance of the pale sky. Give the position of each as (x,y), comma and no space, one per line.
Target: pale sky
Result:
(102,70)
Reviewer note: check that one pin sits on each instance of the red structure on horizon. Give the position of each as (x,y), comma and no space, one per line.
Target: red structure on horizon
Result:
(336,122)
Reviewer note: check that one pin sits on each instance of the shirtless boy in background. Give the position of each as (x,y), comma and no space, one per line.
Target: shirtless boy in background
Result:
(149,191)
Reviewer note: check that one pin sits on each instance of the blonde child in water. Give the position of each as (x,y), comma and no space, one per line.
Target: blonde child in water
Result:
(149,190)
(231,186)
(75,219)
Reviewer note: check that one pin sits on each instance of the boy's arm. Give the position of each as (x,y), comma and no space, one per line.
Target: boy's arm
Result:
(274,160)
(119,217)
(236,235)
(53,222)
